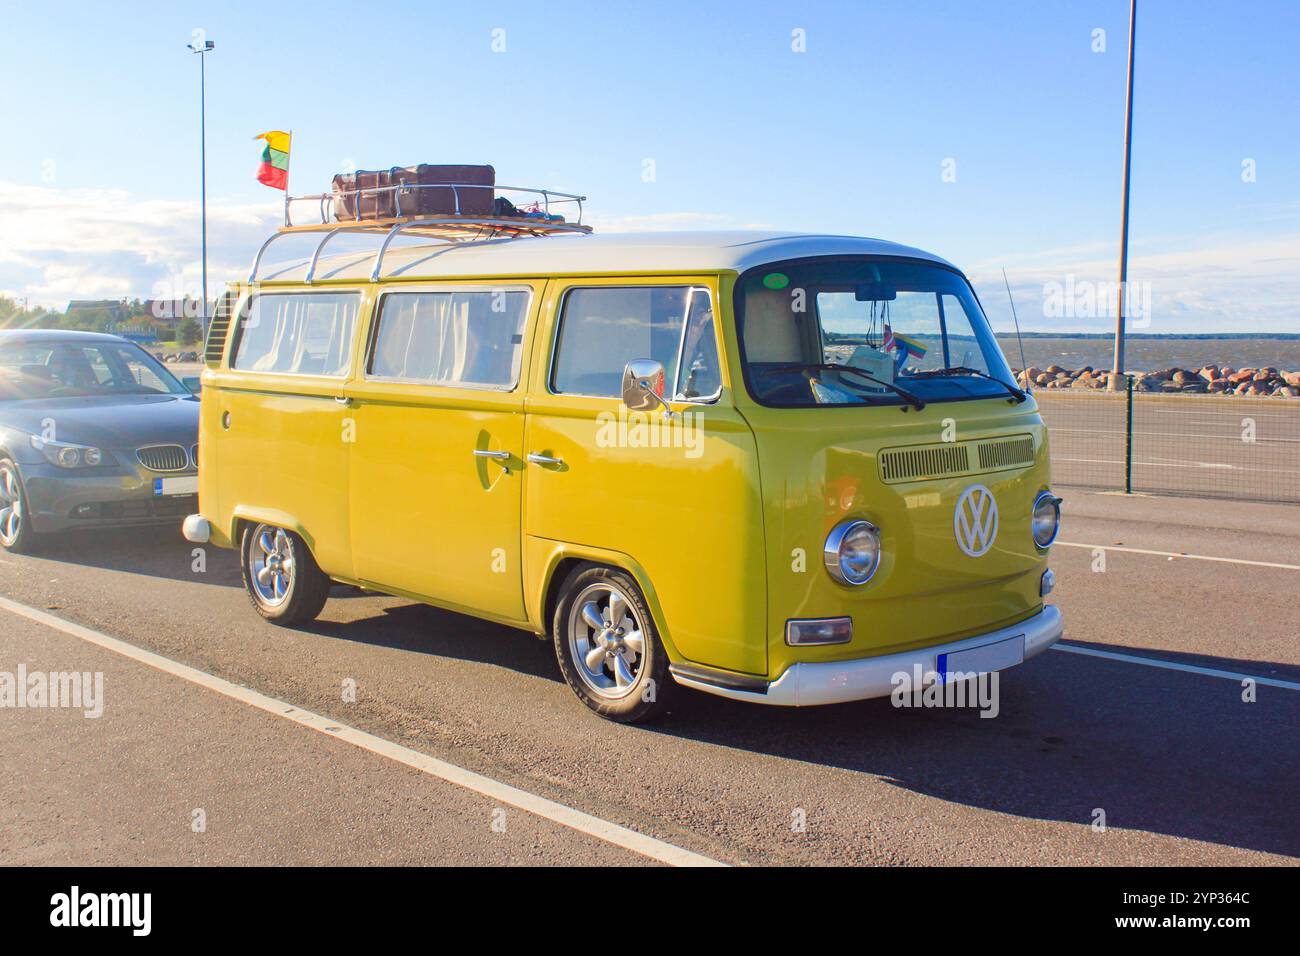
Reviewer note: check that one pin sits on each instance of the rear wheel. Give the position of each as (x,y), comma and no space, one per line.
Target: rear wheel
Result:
(281,577)
(608,648)
(16,532)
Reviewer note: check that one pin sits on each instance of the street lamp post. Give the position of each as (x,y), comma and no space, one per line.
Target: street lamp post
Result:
(202,46)
(1117,372)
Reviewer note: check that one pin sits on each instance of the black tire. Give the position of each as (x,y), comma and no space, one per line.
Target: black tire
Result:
(307,589)
(649,694)
(23,540)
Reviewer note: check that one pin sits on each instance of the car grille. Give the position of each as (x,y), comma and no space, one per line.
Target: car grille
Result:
(952,459)
(163,457)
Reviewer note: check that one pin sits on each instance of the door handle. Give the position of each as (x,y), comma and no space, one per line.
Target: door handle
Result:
(495,456)
(537,459)
(343,400)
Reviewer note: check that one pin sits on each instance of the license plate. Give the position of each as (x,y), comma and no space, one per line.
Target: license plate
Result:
(188,485)
(982,659)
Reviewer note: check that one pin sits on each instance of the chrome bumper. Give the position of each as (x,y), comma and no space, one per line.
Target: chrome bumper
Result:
(835,682)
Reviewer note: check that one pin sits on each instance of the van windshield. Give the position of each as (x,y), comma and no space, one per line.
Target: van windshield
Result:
(818,331)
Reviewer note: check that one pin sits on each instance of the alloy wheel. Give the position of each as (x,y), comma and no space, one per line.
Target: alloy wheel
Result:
(606,640)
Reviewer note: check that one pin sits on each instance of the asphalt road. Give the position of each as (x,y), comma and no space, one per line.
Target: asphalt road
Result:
(1184,444)
(1185,771)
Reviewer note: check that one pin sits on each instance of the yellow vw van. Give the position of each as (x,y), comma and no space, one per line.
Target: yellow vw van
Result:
(780,468)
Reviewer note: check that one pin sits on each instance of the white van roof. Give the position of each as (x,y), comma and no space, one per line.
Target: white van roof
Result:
(648,252)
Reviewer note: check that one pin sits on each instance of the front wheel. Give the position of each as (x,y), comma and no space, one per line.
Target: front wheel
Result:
(16,532)
(281,577)
(608,648)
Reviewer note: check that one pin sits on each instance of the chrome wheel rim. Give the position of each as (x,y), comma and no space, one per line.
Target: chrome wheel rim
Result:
(606,640)
(11,506)
(271,565)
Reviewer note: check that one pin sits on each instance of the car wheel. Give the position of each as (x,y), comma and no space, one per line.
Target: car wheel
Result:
(281,577)
(16,532)
(608,648)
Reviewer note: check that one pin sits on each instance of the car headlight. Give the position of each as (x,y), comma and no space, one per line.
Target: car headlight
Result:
(1046,519)
(67,455)
(852,551)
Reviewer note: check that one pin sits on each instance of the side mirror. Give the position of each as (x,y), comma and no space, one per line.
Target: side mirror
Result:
(193,383)
(643,386)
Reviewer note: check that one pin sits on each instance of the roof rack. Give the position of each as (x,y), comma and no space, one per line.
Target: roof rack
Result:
(453,228)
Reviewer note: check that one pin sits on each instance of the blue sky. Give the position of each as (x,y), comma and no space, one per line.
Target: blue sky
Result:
(98,188)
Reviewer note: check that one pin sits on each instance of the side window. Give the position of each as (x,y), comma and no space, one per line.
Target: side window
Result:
(602,329)
(297,334)
(467,338)
(699,379)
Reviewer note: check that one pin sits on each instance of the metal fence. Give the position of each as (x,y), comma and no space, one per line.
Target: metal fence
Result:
(1217,446)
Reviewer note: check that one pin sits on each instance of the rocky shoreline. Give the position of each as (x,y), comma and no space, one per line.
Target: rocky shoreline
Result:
(1209,380)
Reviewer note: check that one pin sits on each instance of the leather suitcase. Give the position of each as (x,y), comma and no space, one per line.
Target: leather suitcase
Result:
(352,202)
(477,195)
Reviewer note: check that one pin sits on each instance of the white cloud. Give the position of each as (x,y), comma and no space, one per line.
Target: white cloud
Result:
(1214,283)
(59,244)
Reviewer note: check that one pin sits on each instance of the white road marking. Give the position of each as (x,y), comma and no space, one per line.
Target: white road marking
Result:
(1171,666)
(540,806)
(1179,554)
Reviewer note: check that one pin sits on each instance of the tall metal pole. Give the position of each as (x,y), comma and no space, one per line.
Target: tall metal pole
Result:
(1118,368)
(203,188)
(202,46)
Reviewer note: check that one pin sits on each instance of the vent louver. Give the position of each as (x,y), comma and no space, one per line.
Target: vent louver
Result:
(1012,453)
(218,329)
(952,459)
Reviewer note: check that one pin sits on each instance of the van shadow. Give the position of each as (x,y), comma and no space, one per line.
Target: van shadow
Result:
(424,629)
(1159,751)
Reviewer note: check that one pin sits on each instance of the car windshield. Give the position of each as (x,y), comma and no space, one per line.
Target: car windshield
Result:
(80,369)
(818,331)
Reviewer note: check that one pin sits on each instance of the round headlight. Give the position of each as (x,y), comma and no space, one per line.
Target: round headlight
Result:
(69,457)
(92,456)
(852,551)
(1046,518)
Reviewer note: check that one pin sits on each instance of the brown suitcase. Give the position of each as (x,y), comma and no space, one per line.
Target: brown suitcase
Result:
(475,191)
(362,195)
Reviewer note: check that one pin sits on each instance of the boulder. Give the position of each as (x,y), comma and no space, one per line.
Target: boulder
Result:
(1241,375)
(1291,378)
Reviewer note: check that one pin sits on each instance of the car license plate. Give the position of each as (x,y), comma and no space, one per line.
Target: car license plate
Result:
(188,485)
(982,659)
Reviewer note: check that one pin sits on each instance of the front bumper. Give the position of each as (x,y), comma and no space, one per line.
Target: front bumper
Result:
(60,500)
(836,682)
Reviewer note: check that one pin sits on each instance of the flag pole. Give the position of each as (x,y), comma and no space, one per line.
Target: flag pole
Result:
(288,163)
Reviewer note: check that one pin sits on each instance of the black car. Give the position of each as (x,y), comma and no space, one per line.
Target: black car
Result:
(94,432)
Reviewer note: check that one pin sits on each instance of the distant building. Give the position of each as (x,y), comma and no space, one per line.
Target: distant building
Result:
(113,307)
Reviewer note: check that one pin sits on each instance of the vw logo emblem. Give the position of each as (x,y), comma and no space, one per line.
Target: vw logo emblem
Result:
(975,520)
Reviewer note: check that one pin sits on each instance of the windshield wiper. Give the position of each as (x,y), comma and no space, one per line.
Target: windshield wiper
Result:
(1018,394)
(902,393)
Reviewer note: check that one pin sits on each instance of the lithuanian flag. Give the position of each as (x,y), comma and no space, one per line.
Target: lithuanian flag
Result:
(274,171)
